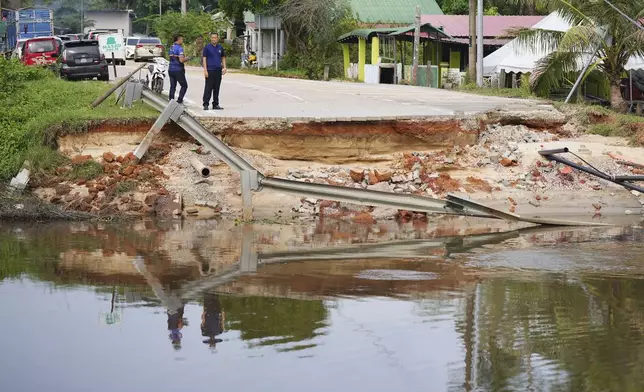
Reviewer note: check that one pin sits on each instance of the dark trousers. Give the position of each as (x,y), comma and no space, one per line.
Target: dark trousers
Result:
(213,83)
(178,77)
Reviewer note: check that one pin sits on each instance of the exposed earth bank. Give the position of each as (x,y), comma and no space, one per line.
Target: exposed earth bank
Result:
(492,158)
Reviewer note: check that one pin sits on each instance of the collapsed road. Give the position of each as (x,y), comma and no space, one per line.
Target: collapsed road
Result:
(253,180)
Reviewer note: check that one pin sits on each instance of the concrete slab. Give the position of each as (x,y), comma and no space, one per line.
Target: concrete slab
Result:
(257,97)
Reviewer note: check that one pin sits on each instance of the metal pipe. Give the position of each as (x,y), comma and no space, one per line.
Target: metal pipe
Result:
(596,173)
(118,84)
(200,167)
(629,178)
(545,153)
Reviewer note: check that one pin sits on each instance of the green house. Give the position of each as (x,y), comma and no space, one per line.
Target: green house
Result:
(400,12)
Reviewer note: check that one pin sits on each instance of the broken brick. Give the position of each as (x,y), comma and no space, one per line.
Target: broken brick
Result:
(108,157)
(80,159)
(356,175)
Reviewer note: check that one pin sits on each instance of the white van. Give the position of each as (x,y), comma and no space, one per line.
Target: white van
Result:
(109,43)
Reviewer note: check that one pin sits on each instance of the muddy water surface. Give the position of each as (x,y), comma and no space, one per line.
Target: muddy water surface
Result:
(203,306)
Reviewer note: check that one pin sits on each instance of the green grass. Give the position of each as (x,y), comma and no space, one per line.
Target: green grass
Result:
(498,92)
(87,170)
(42,107)
(287,73)
(605,122)
(126,186)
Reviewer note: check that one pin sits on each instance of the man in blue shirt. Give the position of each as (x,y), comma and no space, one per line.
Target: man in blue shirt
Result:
(214,66)
(177,70)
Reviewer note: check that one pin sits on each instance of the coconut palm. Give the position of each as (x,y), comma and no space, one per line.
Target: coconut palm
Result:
(598,29)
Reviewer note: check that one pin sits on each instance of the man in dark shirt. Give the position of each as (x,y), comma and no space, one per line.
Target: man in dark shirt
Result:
(177,71)
(212,319)
(214,66)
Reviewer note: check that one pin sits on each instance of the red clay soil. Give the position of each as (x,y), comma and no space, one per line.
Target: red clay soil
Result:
(425,130)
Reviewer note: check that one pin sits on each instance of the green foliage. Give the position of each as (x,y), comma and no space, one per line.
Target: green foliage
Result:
(571,47)
(192,26)
(87,170)
(496,7)
(126,186)
(36,107)
(602,129)
(497,92)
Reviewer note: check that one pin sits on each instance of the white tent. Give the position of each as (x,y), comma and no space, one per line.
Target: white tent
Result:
(513,58)
(635,63)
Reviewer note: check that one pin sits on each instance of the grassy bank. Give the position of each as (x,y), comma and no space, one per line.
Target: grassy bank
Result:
(498,92)
(606,122)
(36,107)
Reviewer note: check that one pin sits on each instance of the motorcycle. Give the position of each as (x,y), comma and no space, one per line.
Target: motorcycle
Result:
(250,59)
(156,74)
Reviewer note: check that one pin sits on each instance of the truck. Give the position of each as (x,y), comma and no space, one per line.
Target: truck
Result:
(34,23)
(8,37)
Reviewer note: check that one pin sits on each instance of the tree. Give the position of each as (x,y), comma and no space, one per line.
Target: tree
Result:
(191,25)
(597,29)
(312,28)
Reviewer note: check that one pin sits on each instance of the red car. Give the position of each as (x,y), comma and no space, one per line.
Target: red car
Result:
(41,51)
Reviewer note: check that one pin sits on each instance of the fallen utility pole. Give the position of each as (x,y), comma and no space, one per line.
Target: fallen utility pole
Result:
(624,181)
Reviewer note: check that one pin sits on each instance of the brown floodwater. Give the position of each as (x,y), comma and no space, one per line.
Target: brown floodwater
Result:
(328,306)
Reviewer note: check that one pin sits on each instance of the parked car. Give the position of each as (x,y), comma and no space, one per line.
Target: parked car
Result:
(40,51)
(130,46)
(63,38)
(82,60)
(74,37)
(147,49)
(17,51)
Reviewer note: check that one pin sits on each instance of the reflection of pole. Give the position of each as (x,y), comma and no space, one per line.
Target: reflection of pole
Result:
(170,301)
(468,338)
(113,297)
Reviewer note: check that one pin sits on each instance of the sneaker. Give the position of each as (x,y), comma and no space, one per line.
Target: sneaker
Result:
(206,108)
(217,107)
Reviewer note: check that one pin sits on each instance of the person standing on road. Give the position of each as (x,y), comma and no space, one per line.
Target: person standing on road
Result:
(177,70)
(214,67)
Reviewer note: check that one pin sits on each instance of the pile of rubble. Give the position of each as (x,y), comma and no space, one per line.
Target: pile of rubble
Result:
(125,186)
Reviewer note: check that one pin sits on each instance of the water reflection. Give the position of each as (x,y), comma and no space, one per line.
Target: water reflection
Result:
(542,310)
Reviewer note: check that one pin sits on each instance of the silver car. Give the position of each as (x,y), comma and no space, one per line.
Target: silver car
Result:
(130,47)
(147,49)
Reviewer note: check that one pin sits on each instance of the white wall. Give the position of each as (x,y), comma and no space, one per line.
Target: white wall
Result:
(110,20)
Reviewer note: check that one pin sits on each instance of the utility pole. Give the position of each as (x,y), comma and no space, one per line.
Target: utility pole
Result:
(472,49)
(82,17)
(160,9)
(414,72)
(479,44)
(184,7)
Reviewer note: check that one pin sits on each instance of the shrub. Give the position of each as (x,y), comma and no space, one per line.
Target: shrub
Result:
(36,106)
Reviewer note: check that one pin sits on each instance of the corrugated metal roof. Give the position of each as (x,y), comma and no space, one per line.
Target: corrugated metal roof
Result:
(392,11)
(493,26)
(364,33)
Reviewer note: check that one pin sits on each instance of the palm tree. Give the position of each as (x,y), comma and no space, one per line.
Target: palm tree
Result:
(598,29)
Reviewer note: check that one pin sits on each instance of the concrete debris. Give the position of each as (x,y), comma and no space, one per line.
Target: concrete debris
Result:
(19,182)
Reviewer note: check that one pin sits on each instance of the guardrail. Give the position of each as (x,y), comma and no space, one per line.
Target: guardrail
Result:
(253,180)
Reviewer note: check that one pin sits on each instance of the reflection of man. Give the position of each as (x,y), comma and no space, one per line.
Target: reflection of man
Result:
(212,319)
(175,324)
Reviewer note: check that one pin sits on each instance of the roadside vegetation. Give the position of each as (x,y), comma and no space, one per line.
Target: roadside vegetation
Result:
(37,107)
(606,122)
(521,92)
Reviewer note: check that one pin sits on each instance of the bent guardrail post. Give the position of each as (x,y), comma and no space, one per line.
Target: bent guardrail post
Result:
(249,183)
(129,95)
(118,84)
(171,112)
